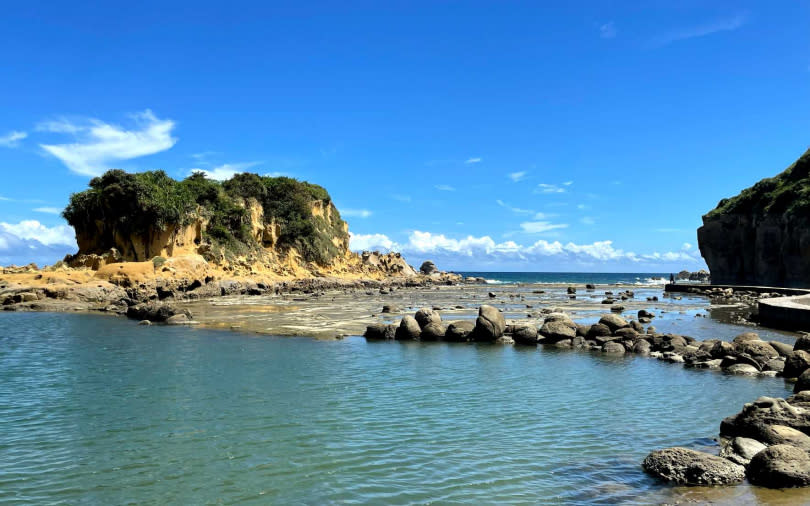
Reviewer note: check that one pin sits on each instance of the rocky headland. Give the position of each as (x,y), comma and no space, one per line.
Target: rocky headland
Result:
(762,236)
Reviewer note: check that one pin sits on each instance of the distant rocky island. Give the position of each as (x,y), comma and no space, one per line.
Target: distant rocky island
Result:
(762,236)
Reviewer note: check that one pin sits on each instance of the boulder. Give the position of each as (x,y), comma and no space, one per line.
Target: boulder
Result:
(178,319)
(582,329)
(571,290)
(390,308)
(744,369)
(690,467)
(745,337)
(760,351)
(803,382)
(784,350)
(741,450)
(627,333)
(781,434)
(380,331)
(408,329)
(721,349)
(764,411)
(637,326)
(557,330)
(490,323)
(598,330)
(643,313)
(433,332)
(152,311)
(780,466)
(506,340)
(613,321)
(428,268)
(613,348)
(525,334)
(642,347)
(459,331)
(796,364)
(802,343)
(426,316)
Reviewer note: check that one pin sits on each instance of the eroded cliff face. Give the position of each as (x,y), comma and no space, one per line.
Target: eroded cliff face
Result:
(762,236)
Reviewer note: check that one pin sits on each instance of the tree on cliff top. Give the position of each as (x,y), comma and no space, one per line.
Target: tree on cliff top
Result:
(136,204)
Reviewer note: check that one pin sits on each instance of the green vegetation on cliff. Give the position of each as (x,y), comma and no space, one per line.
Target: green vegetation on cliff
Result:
(136,204)
(787,194)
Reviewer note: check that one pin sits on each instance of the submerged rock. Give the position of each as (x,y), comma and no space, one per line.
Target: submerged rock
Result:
(690,467)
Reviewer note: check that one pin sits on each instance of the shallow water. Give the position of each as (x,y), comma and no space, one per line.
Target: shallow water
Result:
(95,409)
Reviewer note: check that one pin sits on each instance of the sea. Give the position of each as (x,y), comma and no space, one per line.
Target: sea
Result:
(581,278)
(95,409)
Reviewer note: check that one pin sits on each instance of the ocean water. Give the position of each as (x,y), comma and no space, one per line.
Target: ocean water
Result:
(98,410)
(576,278)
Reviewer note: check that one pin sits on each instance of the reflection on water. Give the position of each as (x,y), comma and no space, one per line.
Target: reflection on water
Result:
(100,410)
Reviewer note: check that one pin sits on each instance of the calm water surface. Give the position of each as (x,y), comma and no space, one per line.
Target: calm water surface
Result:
(97,410)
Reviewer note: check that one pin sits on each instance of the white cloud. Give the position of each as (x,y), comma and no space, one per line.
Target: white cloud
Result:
(369,242)
(607,30)
(549,188)
(99,145)
(445,188)
(226,170)
(568,183)
(473,160)
(515,210)
(356,213)
(587,220)
(540,227)
(32,229)
(686,246)
(484,250)
(47,210)
(720,25)
(517,176)
(12,139)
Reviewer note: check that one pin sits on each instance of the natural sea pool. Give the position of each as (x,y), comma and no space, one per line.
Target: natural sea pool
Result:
(94,409)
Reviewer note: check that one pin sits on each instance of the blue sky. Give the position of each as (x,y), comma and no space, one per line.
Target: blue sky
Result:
(484,135)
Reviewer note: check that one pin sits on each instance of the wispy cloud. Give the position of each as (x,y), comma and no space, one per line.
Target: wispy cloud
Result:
(515,210)
(607,30)
(401,198)
(99,144)
(540,227)
(587,220)
(444,188)
(549,188)
(12,139)
(721,25)
(517,176)
(473,160)
(225,171)
(356,213)
(47,210)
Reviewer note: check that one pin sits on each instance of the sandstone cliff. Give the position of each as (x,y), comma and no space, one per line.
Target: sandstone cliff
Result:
(247,226)
(762,236)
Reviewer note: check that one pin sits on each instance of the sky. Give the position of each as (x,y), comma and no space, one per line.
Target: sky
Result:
(496,136)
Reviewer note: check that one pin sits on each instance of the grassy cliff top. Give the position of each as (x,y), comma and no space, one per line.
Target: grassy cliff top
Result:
(787,193)
(136,204)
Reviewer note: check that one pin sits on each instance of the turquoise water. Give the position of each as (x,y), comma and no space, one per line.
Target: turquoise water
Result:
(97,410)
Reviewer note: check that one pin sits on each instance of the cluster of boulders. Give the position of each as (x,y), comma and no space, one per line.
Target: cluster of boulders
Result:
(702,275)
(427,325)
(768,441)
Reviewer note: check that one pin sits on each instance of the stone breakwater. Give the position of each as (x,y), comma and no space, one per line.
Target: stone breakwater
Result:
(768,442)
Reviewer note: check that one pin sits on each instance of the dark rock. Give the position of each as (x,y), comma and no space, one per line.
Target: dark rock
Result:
(390,308)
(408,328)
(782,434)
(783,349)
(803,382)
(637,326)
(627,333)
(557,330)
(780,466)
(776,364)
(643,313)
(571,290)
(582,329)
(178,319)
(525,334)
(426,316)
(590,286)
(741,450)
(802,343)
(721,349)
(641,347)
(380,331)
(765,411)
(433,332)
(152,311)
(690,467)
(428,268)
(490,324)
(796,364)
(613,348)
(598,330)
(613,322)
(459,331)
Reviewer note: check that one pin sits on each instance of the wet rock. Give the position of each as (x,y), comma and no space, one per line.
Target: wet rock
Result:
(490,324)
(598,330)
(741,450)
(557,330)
(744,369)
(722,349)
(571,290)
(783,349)
(802,343)
(506,340)
(426,316)
(690,467)
(152,311)
(408,328)
(780,466)
(796,364)
(760,351)
(782,434)
(765,411)
(643,313)
(613,348)
(380,331)
(637,326)
(525,334)
(459,331)
(582,329)
(627,333)
(777,365)
(178,319)
(433,332)
(803,382)
(613,322)
(145,322)
(641,347)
